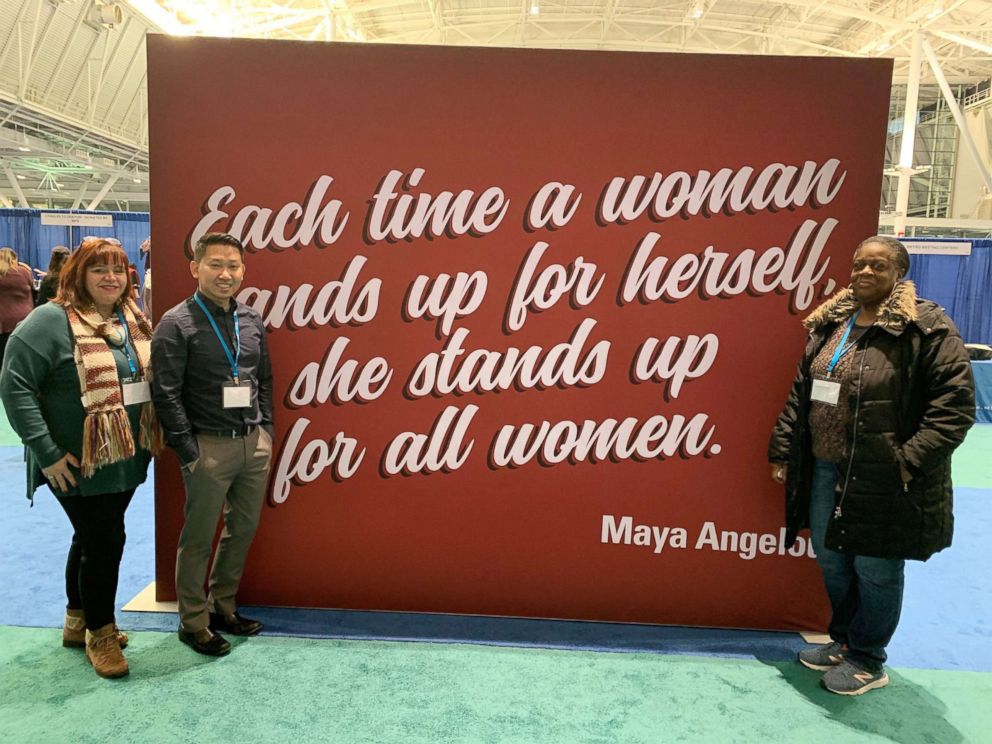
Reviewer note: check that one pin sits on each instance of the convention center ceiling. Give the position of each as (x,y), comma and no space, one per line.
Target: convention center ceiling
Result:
(73,111)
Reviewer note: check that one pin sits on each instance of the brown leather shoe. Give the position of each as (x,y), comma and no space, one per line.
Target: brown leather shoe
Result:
(74,631)
(104,652)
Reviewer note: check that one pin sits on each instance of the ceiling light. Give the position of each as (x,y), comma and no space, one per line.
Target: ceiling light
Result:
(160,17)
(22,148)
(106,15)
(136,180)
(937,10)
(208,17)
(698,11)
(20,177)
(534,9)
(883,46)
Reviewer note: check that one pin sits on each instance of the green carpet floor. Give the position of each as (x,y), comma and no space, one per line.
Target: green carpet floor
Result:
(971,462)
(296,690)
(7,436)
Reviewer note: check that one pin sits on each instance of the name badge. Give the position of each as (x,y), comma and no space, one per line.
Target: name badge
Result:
(825,391)
(136,392)
(237,395)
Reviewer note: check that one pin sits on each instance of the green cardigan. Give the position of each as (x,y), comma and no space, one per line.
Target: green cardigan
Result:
(39,386)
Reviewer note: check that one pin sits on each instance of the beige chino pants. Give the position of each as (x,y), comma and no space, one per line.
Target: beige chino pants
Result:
(230,479)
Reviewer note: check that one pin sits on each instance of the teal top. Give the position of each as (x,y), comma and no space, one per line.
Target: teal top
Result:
(39,386)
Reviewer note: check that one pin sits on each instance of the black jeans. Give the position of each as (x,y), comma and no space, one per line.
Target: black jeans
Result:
(95,554)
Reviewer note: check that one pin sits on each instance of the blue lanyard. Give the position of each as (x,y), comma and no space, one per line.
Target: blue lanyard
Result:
(232,360)
(841,350)
(127,345)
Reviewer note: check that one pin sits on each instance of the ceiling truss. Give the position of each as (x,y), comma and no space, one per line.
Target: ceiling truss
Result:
(73,109)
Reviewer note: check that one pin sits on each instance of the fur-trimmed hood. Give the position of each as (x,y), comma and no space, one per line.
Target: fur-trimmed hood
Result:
(897,311)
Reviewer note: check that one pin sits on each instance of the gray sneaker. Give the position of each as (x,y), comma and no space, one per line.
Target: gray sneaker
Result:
(822,658)
(850,679)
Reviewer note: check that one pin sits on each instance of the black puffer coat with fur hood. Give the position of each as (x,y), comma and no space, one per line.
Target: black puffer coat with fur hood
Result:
(912,400)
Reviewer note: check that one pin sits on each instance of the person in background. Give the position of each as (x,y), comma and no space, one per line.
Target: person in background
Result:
(75,386)
(883,395)
(145,252)
(146,293)
(146,286)
(213,394)
(50,282)
(16,295)
(132,271)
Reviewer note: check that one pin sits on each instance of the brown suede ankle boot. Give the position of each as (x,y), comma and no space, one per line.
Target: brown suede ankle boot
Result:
(104,652)
(74,630)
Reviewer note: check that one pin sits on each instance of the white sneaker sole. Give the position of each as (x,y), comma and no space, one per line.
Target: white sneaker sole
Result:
(818,667)
(821,667)
(876,684)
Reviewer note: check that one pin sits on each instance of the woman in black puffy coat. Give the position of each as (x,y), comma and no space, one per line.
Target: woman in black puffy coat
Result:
(882,396)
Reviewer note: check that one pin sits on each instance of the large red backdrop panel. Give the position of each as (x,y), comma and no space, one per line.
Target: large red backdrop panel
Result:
(618,471)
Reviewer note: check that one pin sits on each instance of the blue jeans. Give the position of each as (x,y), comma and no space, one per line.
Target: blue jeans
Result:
(865,593)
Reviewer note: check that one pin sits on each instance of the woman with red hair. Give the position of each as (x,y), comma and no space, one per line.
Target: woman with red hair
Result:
(75,388)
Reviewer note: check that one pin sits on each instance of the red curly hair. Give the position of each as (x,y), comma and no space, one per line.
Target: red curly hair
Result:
(72,279)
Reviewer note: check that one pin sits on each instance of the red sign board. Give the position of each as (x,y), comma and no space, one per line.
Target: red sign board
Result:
(532,313)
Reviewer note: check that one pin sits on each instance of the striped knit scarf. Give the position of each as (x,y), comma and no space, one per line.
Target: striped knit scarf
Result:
(107,434)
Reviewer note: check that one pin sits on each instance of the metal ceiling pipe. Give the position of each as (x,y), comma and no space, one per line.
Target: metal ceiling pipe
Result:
(905,164)
(15,186)
(952,104)
(102,193)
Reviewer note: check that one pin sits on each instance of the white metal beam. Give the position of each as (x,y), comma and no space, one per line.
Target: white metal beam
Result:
(521,24)
(139,95)
(854,12)
(964,41)
(102,193)
(277,20)
(29,49)
(84,70)
(905,164)
(68,45)
(93,92)
(952,104)
(79,198)
(132,66)
(920,19)
(940,222)
(15,186)
(8,44)
(437,18)
(105,67)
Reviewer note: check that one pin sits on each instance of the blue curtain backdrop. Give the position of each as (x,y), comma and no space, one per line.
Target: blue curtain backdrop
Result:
(962,285)
(21,229)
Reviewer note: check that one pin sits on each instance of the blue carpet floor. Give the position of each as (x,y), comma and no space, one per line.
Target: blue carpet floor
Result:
(945,624)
